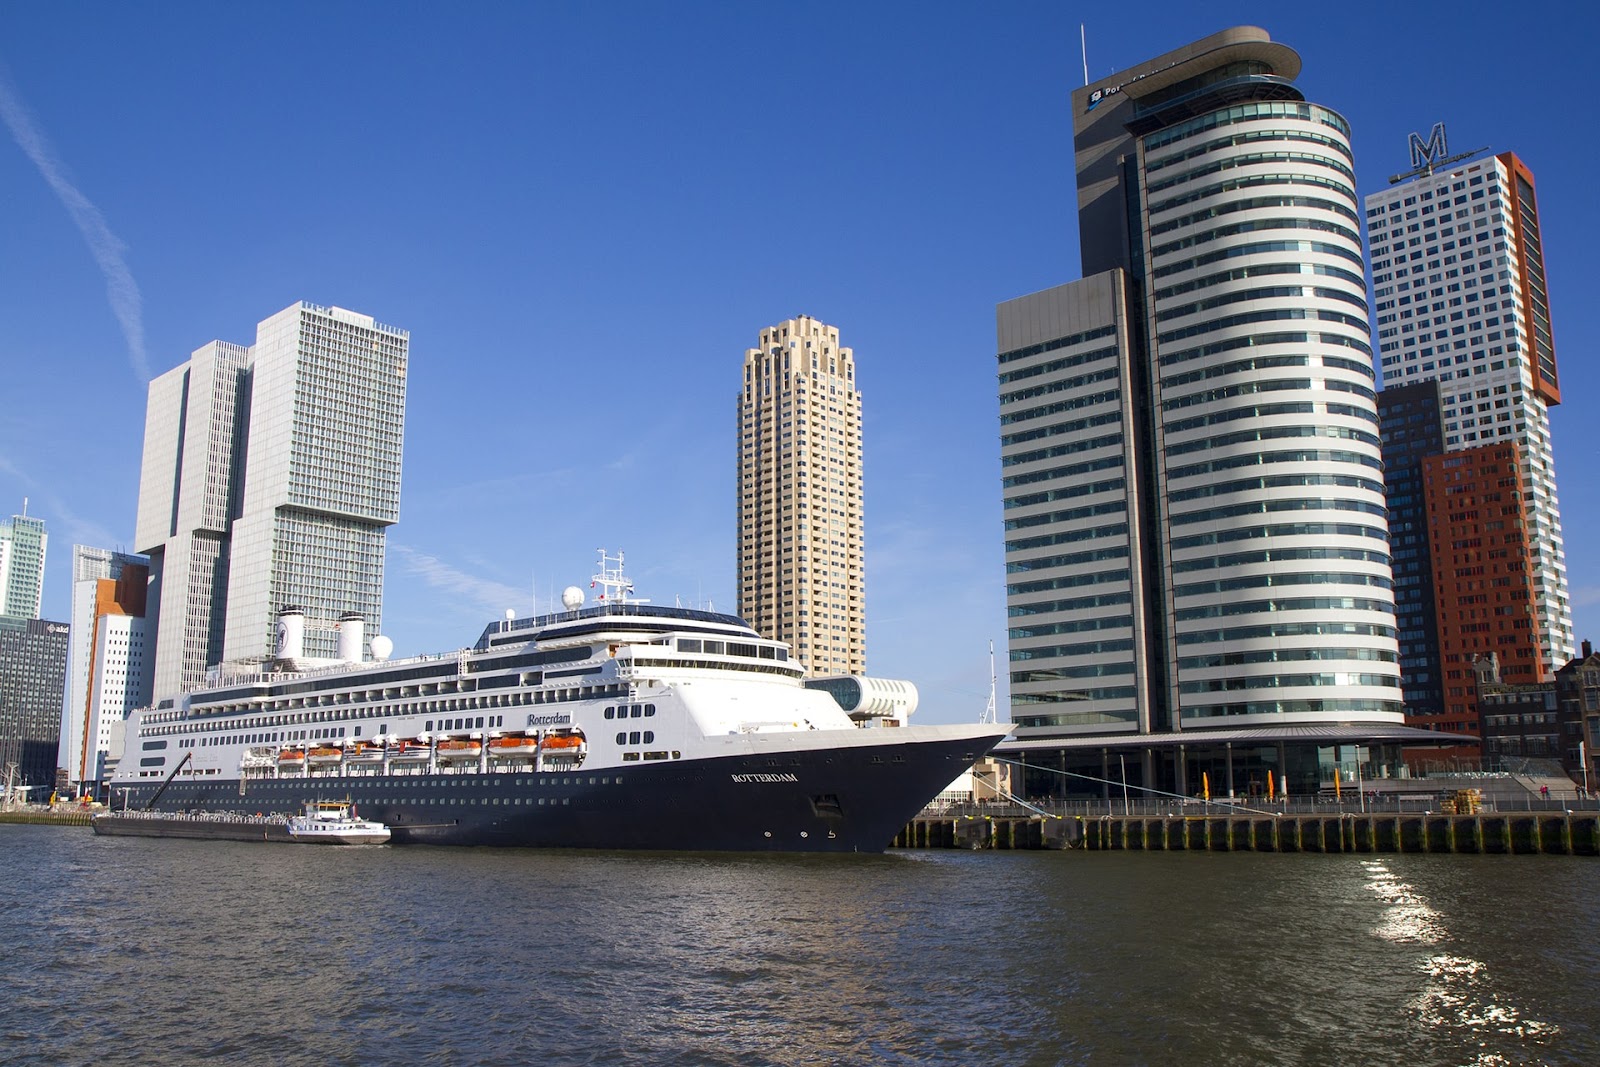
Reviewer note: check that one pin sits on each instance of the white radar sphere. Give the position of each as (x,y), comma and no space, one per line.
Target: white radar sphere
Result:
(382,648)
(571,597)
(511,614)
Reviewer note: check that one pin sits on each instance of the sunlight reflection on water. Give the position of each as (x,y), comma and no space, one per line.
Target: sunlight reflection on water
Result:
(1458,994)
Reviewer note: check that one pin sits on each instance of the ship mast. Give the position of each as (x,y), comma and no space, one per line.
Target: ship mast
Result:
(614,587)
(989,712)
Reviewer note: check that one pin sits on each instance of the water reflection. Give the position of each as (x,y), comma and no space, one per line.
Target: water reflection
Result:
(1458,997)
(1407,918)
(130,951)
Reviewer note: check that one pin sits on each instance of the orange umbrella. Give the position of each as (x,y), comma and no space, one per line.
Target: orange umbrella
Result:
(1270,793)
(1205,785)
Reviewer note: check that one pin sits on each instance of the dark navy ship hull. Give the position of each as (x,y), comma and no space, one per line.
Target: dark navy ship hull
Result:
(849,799)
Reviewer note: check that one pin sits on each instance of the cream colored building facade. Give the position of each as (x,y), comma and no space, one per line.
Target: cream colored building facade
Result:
(801,567)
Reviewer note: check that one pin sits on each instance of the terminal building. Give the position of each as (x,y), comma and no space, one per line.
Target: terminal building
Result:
(1199,580)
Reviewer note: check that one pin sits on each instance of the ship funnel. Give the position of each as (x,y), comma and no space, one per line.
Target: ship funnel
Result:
(291,633)
(352,631)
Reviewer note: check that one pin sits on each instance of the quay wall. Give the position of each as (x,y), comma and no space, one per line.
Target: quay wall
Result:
(1500,833)
(48,818)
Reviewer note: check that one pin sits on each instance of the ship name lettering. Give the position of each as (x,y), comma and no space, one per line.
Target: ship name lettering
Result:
(559,718)
(743,779)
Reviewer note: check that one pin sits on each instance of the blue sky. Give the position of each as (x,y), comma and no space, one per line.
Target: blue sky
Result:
(584,214)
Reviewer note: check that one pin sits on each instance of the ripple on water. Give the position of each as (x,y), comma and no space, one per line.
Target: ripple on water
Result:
(190,951)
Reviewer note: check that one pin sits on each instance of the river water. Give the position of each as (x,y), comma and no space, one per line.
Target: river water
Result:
(137,951)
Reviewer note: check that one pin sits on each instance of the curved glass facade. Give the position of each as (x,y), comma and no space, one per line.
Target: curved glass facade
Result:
(1314,585)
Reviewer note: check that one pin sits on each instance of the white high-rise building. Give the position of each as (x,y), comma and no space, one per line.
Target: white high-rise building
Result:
(801,544)
(1459,286)
(22,546)
(270,476)
(107,659)
(193,436)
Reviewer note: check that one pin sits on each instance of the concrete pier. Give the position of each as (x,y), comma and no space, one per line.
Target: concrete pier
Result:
(1502,833)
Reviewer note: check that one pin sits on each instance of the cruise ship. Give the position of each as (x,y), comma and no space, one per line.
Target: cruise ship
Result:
(617,725)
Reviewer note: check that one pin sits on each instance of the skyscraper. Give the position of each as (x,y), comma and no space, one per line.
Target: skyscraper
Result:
(22,545)
(107,658)
(1459,286)
(1196,543)
(801,567)
(32,656)
(194,438)
(33,663)
(270,476)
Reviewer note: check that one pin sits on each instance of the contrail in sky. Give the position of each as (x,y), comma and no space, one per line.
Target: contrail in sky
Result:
(103,244)
(492,595)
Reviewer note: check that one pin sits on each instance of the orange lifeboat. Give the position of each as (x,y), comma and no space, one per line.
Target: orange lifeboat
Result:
(510,748)
(291,758)
(563,748)
(460,750)
(325,755)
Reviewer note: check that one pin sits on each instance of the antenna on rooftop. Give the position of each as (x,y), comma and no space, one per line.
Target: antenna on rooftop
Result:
(1083,41)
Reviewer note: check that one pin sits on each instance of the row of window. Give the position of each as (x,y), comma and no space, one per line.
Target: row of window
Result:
(1234,140)
(1353,708)
(1287,529)
(1262,607)
(625,711)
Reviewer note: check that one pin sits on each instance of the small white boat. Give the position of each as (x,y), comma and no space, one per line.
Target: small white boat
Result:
(335,823)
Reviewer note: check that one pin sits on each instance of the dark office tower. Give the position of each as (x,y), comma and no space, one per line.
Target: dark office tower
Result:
(1412,426)
(33,668)
(1196,529)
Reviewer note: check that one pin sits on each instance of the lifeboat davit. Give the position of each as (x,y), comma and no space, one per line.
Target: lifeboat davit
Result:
(365,752)
(408,752)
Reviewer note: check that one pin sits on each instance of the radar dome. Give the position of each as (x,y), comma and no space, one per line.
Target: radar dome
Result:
(572,597)
(511,615)
(382,648)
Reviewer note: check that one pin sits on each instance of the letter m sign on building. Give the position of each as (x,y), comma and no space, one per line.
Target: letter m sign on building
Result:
(1426,153)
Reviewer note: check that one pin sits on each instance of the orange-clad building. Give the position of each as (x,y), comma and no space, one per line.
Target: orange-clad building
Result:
(1483,578)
